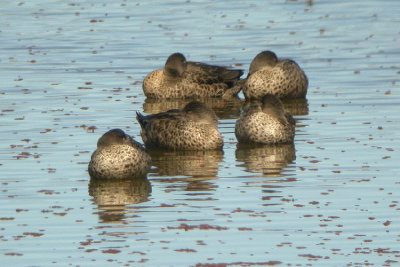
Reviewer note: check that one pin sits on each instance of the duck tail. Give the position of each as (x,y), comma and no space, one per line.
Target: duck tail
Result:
(234,90)
(141,119)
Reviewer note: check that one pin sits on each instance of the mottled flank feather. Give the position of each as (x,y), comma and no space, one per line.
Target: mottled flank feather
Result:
(186,79)
(118,156)
(195,127)
(267,123)
(267,75)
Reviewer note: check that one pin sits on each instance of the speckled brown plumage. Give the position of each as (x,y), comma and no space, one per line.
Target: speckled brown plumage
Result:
(268,75)
(185,79)
(267,123)
(118,156)
(195,127)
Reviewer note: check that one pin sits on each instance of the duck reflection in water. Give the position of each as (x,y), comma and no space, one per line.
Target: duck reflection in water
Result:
(198,166)
(186,163)
(112,196)
(266,159)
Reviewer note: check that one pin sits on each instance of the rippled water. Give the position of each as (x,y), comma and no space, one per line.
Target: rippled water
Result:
(70,71)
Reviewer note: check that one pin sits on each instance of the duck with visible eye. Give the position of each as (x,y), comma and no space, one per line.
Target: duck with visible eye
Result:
(269,75)
(186,79)
(118,156)
(195,127)
(265,123)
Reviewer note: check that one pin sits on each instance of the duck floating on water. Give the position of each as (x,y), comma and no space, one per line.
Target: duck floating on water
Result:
(195,127)
(265,123)
(269,75)
(118,156)
(187,79)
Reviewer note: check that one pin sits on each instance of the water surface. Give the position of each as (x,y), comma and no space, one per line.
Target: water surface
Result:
(70,71)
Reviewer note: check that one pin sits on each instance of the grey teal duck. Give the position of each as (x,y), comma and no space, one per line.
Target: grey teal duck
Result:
(118,156)
(265,123)
(186,79)
(195,127)
(267,75)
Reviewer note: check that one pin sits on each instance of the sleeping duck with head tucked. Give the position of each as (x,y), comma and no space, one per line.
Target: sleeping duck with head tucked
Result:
(269,75)
(118,156)
(265,123)
(195,127)
(186,79)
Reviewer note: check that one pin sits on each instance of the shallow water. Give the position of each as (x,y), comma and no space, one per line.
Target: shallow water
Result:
(70,71)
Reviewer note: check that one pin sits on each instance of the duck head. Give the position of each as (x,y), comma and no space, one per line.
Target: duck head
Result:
(200,112)
(263,59)
(272,105)
(175,65)
(112,137)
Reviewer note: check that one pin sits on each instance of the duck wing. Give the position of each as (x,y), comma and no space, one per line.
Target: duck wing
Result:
(144,120)
(212,73)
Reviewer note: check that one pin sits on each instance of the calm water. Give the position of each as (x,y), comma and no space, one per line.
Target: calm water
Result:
(69,71)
